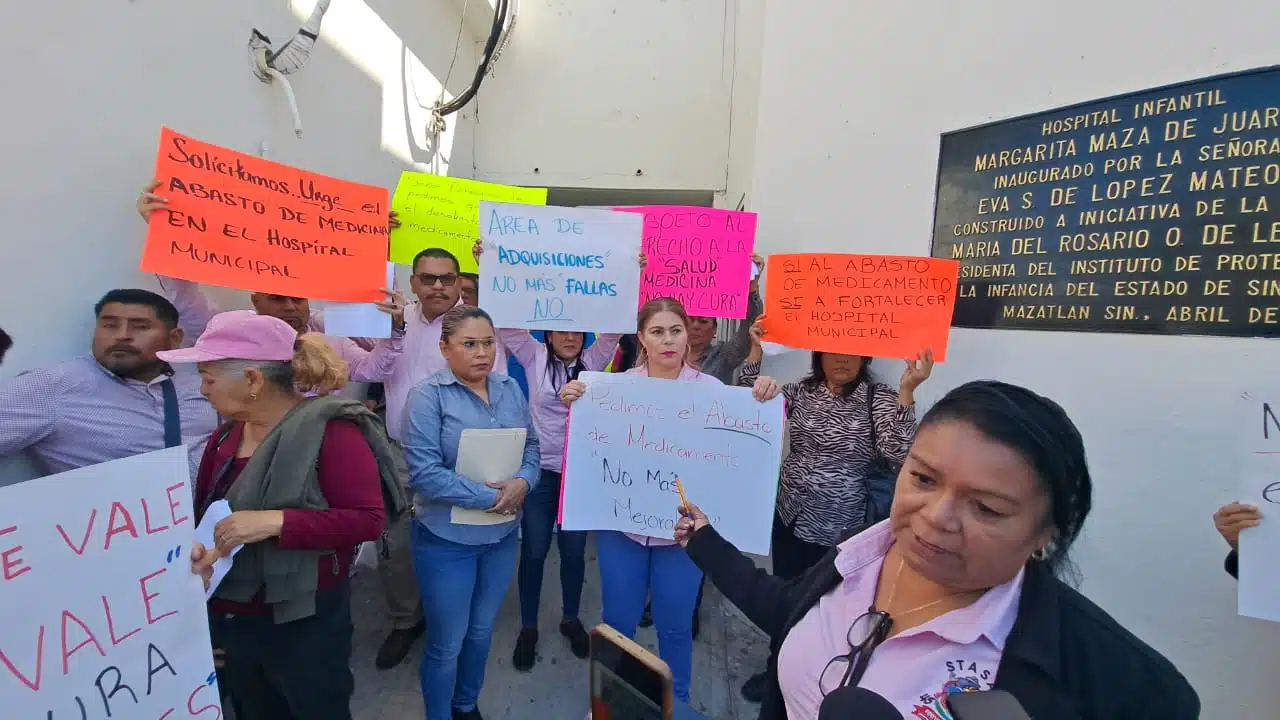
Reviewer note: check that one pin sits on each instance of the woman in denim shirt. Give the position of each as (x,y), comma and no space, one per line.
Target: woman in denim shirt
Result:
(463,570)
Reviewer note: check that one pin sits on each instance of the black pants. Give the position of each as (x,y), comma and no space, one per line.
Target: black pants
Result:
(791,555)
(292,671)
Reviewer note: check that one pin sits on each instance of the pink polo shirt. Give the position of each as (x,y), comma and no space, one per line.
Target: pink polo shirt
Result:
(687,374)
(421,359)
(956,652)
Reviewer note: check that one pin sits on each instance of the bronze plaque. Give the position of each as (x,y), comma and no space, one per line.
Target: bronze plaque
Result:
(1154,212)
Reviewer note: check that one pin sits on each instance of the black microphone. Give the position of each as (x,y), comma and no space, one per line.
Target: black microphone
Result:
(855,703)
(988,705)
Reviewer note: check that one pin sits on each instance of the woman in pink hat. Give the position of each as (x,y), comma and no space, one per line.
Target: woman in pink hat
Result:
(307,479)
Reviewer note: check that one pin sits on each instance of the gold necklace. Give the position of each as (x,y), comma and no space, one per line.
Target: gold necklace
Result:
(894,591)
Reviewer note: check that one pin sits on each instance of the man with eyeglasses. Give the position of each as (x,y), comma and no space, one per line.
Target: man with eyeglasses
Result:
(437,283)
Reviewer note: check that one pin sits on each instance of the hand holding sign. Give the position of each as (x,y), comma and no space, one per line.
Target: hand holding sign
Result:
(918,369)
(571,391)
(1231,519)
(765,389)
(394,306)
(202,560)
(149,201)
(757,267)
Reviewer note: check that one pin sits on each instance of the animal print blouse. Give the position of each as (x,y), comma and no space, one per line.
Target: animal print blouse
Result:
(822,490)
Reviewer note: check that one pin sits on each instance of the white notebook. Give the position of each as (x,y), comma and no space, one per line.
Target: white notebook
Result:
(488,456)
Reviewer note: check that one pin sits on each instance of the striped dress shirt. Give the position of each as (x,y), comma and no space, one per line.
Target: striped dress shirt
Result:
(78,413)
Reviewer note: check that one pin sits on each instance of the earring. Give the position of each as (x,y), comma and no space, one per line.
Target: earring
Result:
(1040,554)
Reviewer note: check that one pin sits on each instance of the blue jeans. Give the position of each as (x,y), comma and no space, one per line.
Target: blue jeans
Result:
(540,510)
(462,589)
(629,570)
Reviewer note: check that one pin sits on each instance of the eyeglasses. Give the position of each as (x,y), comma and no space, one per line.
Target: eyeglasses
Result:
(865,635)
(429,280)
(473,345)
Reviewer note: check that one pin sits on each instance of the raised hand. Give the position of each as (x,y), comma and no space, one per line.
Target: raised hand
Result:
(918,369)
(571,391)
(765,389)
(149,201)
(394,306)
(1231,519)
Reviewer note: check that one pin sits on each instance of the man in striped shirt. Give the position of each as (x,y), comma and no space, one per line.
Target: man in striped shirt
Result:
(117,402)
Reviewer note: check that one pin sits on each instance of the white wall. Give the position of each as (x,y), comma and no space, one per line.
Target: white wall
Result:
(589,92)
(853,98)
(87,86)
(746,43)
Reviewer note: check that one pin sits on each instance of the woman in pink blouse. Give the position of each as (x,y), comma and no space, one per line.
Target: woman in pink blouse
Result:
(634,566)
(959,590)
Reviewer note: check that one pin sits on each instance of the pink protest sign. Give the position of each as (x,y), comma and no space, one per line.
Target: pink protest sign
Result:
(699,256)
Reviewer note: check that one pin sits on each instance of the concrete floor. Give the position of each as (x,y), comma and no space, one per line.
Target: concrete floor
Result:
(727,652)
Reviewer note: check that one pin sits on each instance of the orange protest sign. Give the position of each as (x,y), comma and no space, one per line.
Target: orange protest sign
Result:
(870,305)
(239,221)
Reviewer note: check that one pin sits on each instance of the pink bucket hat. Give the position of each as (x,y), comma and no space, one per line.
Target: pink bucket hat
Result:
(238,335)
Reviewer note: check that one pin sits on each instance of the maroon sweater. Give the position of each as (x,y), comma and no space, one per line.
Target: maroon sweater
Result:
(349,479)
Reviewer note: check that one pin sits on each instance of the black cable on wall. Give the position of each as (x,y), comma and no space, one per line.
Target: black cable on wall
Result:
(490,45)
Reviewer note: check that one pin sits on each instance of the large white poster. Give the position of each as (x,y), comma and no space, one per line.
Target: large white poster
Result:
(102,616)
(630,437)
(1259,589)
(558,268)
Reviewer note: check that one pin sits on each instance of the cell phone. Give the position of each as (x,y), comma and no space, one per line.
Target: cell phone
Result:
(627,681)
(987,705)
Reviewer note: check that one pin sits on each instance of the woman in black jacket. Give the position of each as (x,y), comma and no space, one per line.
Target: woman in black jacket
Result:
(958,591)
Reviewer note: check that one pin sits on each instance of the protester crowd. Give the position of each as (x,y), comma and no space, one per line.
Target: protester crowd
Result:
(957,585)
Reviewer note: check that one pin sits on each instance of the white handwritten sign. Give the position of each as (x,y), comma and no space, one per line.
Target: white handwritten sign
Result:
(630,437)
(557,268)
(1259,589)
(102,616)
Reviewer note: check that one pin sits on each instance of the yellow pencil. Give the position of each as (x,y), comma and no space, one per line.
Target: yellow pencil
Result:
(680,489)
